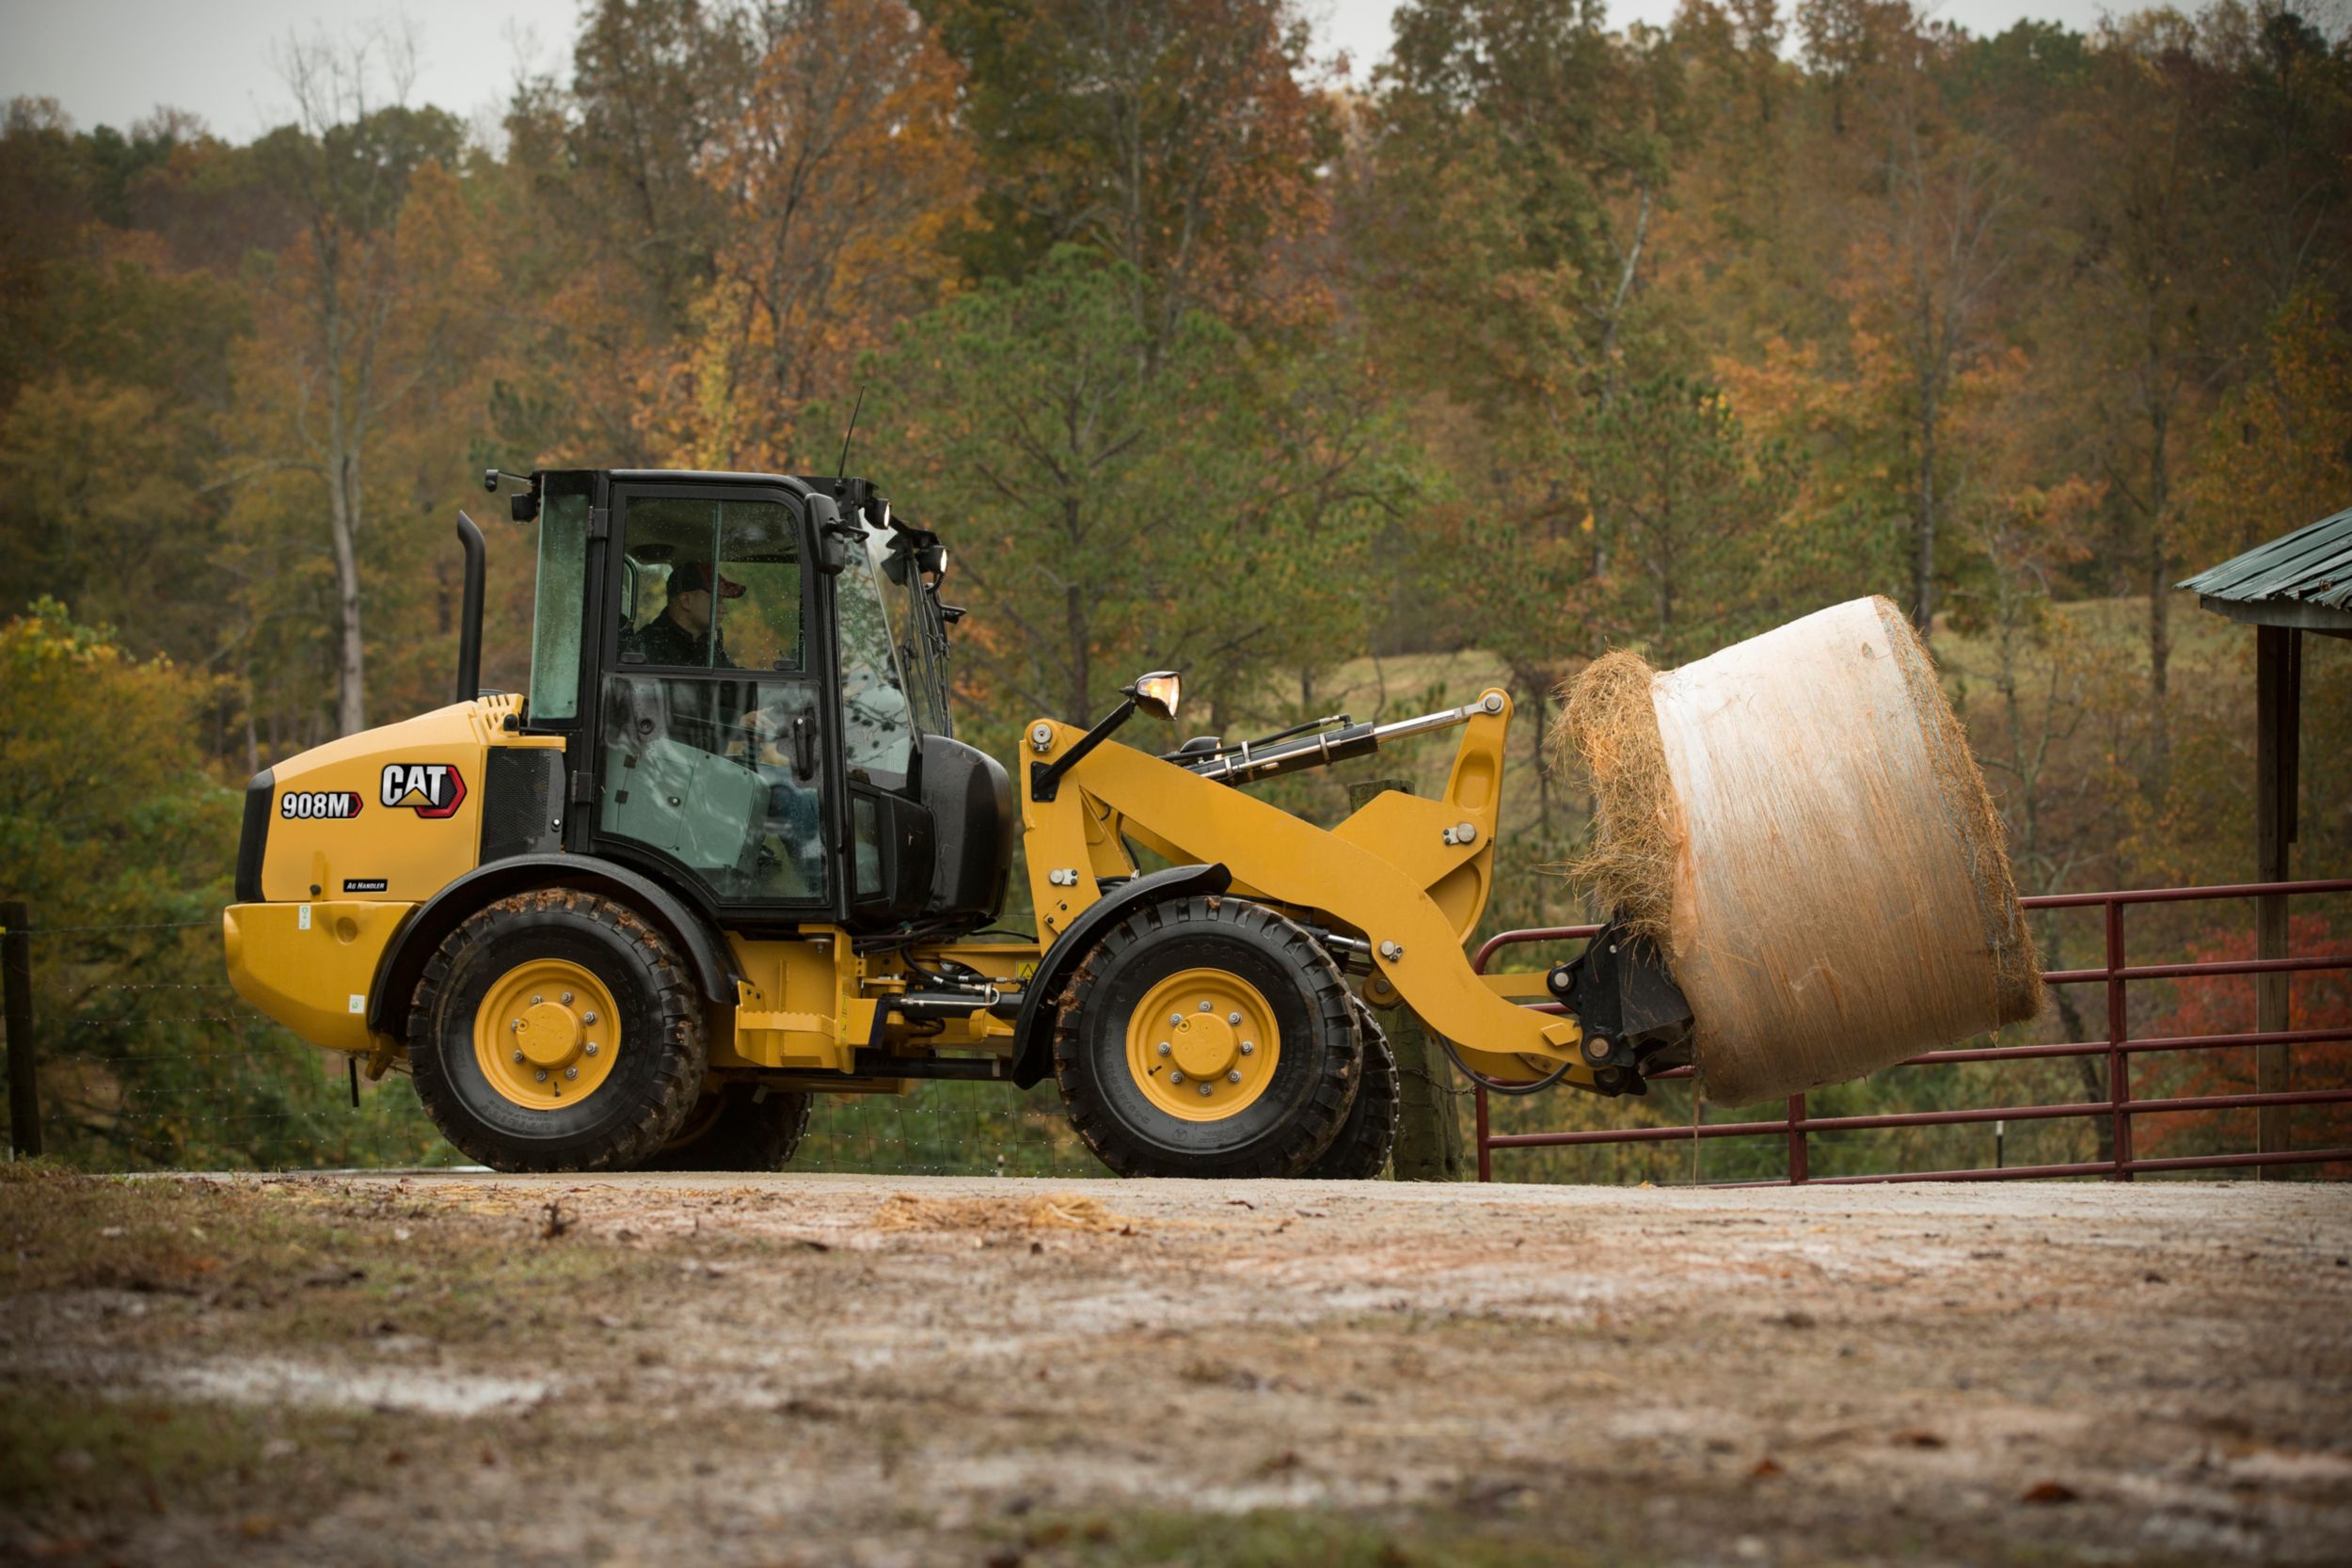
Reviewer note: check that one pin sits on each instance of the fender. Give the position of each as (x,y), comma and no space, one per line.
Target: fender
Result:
(404,962)
(1033,1049)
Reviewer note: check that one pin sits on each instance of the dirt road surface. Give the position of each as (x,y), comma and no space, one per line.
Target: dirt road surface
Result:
(874,1371)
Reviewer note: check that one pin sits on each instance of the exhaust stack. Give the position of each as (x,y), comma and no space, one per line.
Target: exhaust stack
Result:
(470,613)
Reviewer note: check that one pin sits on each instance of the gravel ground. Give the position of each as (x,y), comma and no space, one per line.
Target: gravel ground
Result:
(819,1370)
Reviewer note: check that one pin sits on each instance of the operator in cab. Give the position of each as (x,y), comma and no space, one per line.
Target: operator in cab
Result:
(681,634)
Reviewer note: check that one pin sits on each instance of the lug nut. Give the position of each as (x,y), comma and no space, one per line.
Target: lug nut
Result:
(518,1055)
(541,1075)
(1248,1046)
(1176,1077)
(1208,1007)
(1163,1048)
(588,1017)
(536,1000)
(1233,1077)
(592,1047)
(1232,1018)
(517,1027)
(1175,1021)
(567,999)
(1204,1088)
(571,1073)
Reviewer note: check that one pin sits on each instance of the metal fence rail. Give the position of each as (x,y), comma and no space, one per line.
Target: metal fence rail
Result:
(2121,1108)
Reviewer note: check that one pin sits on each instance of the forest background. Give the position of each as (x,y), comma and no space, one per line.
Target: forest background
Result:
(1546,339)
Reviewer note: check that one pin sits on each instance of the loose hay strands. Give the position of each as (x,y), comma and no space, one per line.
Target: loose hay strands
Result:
(1800,823)
(1612,723)
(1051,1212)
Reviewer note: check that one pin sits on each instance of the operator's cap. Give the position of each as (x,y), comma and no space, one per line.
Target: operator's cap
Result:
(694,577)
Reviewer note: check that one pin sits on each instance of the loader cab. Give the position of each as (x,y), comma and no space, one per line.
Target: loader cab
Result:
(750,671)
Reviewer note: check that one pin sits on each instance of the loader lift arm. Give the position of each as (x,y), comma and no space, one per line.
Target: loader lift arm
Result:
(1406,876)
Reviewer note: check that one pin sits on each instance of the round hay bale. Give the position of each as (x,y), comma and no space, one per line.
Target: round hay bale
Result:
(1798,822)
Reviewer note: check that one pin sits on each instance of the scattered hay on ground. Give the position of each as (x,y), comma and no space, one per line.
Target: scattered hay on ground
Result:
(1049,1211)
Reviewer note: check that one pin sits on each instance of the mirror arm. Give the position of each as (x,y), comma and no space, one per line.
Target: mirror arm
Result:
(1045,777)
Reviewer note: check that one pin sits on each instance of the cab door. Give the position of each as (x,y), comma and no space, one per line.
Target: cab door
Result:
(892,841)
(713,758)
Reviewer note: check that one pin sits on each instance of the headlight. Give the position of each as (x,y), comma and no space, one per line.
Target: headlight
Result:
(1158,693)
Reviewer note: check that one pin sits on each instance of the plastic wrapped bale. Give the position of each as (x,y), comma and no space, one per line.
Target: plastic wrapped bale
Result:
(1798,822)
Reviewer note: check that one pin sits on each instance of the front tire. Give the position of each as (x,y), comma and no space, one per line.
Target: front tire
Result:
(1206,1037)
(557,1030)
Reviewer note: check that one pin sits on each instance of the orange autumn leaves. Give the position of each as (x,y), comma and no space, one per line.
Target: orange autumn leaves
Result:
(844,176)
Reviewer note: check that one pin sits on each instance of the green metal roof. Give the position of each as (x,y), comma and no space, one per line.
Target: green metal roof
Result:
(2302,578)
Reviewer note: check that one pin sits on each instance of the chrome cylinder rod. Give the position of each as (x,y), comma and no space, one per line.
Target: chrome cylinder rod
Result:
(1245,766)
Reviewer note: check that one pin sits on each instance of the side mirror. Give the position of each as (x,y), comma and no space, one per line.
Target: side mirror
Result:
(832,555)
(1158,693)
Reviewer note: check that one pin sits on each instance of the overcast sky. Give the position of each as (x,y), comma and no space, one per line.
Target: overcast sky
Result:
(113,61)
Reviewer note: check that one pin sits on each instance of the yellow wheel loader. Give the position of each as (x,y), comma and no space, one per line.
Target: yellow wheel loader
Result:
(726,854)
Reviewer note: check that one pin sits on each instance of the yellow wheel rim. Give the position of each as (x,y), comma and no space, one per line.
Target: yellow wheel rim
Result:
(1202,1045)
(547,1033)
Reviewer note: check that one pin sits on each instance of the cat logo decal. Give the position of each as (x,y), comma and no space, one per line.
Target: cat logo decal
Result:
(428,788)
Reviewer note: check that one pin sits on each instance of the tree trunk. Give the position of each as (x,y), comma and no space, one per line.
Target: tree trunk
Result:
(1533,687)
(1923,519)
(1081,664)
(2159,614)
(351,701)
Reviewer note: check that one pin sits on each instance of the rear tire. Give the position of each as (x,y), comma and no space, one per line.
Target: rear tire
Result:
(518,1060)
(1368,1136)
(1162,989)
(729,1128)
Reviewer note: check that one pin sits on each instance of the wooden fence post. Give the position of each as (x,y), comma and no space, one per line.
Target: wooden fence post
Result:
(16,980)
(2278,699)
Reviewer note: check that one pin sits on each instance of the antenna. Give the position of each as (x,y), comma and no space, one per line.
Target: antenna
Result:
(851,431)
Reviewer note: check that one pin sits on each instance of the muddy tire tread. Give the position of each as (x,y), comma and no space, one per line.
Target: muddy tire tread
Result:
(1368,1136)
(747,1135)
(682,1041)
(1328,1001)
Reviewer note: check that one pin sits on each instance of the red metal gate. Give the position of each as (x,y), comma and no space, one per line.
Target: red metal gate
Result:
(2116,975)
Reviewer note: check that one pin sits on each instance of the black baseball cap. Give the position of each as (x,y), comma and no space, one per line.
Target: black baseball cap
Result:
(694,577)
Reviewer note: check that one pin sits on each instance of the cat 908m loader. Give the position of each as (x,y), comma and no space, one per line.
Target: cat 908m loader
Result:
(726,854)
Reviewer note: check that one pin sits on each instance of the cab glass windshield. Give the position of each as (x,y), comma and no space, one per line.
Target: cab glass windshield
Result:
(560,606)
(917,638)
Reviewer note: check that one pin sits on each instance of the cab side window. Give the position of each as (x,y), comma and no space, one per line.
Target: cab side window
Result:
(661,624)
(759,610)
(712,585)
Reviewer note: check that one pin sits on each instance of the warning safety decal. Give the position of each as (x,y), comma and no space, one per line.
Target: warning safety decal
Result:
(427,788)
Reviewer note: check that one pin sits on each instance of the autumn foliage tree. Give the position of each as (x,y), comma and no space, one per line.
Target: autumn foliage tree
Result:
(843,175)
(1538,335)
(366,307)
(1181,139)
